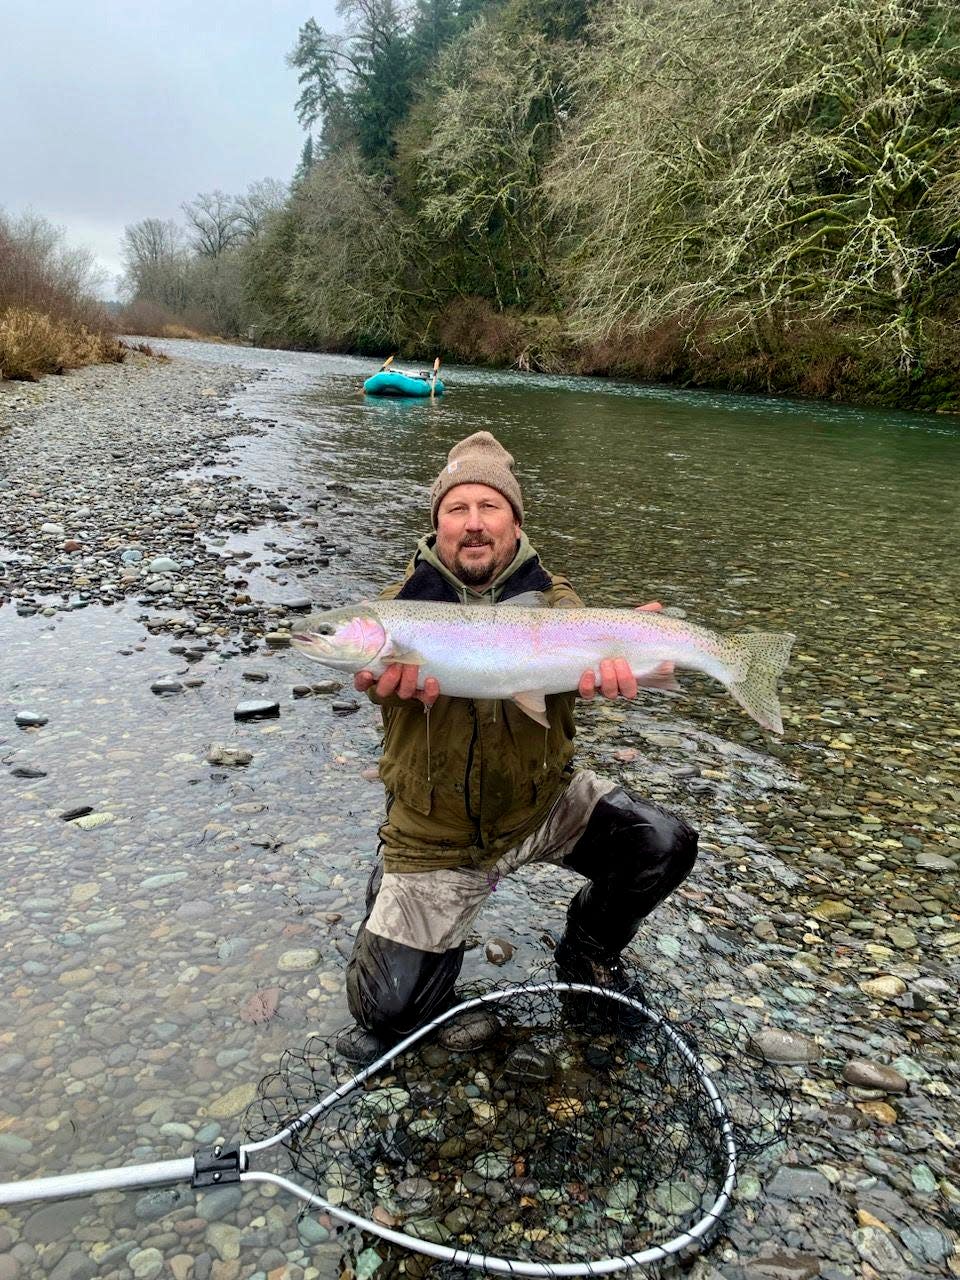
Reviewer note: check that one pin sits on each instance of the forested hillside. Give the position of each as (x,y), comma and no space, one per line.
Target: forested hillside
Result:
(759,194)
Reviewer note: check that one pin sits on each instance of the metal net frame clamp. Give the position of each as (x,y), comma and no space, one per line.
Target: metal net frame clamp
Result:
(222,1165)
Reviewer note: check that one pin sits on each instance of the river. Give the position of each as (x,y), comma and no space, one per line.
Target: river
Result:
(830,856)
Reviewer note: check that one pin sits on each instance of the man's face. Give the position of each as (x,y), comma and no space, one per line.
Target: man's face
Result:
(477,533)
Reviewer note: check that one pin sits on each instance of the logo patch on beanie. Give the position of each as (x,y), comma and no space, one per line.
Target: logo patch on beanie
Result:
(452,467)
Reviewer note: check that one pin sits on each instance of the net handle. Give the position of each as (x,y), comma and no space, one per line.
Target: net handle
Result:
(65,1186)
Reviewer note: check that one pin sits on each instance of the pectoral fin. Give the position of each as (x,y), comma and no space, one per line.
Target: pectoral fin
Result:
(409,657)
(533,704)
(661,677)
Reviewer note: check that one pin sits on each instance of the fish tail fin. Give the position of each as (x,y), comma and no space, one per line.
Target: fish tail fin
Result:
(764,655)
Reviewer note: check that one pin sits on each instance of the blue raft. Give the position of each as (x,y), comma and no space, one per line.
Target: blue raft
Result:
(390,383)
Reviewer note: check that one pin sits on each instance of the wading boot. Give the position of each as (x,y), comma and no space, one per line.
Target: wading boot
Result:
(359,1047)
(608,971)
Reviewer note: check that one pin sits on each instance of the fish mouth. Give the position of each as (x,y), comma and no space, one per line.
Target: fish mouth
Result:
(312,642)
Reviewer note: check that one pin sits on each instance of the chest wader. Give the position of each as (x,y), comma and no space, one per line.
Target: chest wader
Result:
(633,853)
(391,988)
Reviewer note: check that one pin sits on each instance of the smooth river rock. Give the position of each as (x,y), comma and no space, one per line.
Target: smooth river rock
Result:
(784,1046)
(871,1075)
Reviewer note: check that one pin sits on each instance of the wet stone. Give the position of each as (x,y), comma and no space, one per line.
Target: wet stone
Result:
(798,1184)
(928,861)
(876,1248)
(165,688)
(220,1203)
(146,1264)
(298,960)
(528,1063)
(74,1266)
(91,821)
(831,910)
(781,1265)
(228,757)
(901,937)
(784,1047)
(79,811)
(885,987)
(927,1244)
(871,1075)
(157,1204)
(499,951)
(54,1221)
(30,719)
(256,709)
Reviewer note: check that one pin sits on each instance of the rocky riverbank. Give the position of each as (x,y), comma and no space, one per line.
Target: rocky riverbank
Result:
(117,483)
(172,920)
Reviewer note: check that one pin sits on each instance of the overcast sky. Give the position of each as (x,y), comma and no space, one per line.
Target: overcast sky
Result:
(116,110)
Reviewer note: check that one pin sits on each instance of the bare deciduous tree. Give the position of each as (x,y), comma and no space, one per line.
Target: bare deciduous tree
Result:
(156,260)
(213,222)
(255,206)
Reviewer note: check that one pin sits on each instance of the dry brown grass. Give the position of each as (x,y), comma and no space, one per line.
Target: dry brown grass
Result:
(472,329)
(33,343)
(49,320)
(809,358)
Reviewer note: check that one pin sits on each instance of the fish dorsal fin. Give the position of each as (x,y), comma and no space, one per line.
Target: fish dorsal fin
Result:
(532,703)
(526,600)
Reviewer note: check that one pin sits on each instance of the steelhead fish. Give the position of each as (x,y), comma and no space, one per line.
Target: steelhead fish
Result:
(519,651)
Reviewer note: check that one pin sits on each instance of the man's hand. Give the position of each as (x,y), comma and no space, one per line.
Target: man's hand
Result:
(616,678)
(400,679)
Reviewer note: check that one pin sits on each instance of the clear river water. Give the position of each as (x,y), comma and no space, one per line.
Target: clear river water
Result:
(134,951)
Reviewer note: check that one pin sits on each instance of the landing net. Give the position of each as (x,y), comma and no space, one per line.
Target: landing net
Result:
(593,1133)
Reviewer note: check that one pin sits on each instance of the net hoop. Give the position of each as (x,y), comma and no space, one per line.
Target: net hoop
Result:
(508,1266)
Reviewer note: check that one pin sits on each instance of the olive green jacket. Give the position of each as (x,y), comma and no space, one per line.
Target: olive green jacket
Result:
(473,777)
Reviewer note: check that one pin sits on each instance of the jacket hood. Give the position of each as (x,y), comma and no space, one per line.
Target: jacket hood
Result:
(489,594)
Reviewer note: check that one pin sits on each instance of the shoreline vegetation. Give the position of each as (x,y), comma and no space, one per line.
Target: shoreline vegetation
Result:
(49,320)
(759,198)
(762,198)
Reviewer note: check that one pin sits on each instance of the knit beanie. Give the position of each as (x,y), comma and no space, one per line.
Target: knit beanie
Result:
(480,459)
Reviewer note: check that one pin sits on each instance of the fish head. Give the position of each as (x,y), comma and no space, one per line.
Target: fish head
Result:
(345,639)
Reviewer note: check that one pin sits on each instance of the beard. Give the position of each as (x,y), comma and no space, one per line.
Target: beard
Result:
(473,574)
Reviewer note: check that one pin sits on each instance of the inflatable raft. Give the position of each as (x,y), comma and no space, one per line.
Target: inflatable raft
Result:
(390,382)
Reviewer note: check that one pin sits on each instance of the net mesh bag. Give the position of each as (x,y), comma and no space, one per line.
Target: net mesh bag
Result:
(584,1129)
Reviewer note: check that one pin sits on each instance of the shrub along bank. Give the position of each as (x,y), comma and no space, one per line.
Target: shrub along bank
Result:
(49,321)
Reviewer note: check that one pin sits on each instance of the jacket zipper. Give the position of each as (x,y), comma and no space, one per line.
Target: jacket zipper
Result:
(466,781)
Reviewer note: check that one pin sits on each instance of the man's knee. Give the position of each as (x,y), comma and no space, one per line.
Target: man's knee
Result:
(392,989)
(629,838)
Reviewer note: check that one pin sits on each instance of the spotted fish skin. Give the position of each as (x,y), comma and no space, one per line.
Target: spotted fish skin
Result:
(515,651)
